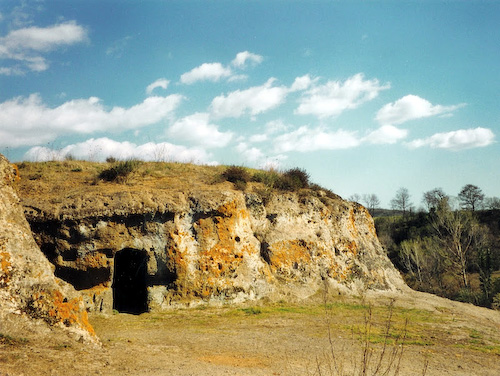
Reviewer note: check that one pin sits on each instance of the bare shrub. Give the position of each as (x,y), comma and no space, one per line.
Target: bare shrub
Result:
(380,353)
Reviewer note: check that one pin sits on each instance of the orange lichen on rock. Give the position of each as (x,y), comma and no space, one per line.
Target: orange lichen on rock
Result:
(233,209)
(221,259)
(54,308)
(17,174)
(5,269)
(352,247)
(94,260)
(287,253)
(370,224)
(352,222)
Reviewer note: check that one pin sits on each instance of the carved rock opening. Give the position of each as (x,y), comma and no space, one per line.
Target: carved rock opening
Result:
(130,294)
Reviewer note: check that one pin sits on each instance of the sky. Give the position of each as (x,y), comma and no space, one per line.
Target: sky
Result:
(367,96)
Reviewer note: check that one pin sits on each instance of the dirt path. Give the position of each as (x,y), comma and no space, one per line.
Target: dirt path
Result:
(279,339)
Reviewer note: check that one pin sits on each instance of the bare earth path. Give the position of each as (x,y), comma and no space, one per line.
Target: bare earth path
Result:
(273,339)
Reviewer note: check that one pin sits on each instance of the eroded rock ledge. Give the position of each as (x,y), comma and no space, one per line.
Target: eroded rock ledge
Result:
(31,299)
(140,249)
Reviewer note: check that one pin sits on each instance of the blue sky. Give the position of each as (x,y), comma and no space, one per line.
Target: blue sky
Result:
(368,97)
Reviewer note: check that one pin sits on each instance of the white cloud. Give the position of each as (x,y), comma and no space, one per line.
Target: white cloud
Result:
(258,138)
(197,130)
(242,58)
(26,46)
(303,83)
(161,82)
(206,72)
(411,107)
(102,148)
(457,140)
(306,139)
(255,100)
(276,126)
(237,77)
(249,153)
(386,134)
(216,71)
(256,157)
(118,47)
(334,97)
(22,118)
(273,163)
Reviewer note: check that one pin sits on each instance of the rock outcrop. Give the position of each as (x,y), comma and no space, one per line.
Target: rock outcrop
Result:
(31,298)
(134,248)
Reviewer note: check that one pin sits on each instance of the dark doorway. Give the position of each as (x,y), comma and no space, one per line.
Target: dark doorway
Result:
(130,293)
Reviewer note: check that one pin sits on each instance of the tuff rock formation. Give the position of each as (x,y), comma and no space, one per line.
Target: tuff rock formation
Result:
(31,298)
(137,248)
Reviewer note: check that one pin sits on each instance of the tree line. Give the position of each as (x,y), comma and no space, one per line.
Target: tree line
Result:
(450,248)
(470,197)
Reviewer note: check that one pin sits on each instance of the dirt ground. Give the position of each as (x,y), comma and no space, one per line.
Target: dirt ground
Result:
(274,339)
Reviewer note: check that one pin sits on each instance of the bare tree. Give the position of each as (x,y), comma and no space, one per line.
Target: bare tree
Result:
(433,197)
(423,259)
(492,203)
(458,234)
(412,254)
(355,198)
(371,201)
(470,197)
(402,200)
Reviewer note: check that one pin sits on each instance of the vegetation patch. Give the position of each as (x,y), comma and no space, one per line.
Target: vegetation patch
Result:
(8,340)
(252,311)
(120,171)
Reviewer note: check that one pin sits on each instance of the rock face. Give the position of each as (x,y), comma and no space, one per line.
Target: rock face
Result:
(146,249)
(30,296)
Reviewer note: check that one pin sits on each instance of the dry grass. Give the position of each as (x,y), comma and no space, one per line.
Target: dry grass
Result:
(274,339)
(57,180)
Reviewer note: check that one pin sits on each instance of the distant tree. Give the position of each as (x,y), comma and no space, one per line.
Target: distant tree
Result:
(402,200)
(470,197)
(355,198)
(492,203)
(371,201)
(432,198)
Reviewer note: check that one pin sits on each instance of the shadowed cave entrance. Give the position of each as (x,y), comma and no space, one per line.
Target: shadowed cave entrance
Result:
(130,293)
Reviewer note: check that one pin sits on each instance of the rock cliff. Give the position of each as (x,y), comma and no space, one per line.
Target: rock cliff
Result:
(134,247)
(30,296)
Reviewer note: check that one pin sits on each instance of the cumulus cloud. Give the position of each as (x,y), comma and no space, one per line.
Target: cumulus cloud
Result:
(249,153)
(253,101)
(101,148)
(307,139)
(159,83)
(303,83)
(25,46)
(386,134)
(196,129)
(21,118)
(334,97)
(411,107)
(258,138)
(456,140)
(241,59)
(276,126)
(216,71)
(206,72)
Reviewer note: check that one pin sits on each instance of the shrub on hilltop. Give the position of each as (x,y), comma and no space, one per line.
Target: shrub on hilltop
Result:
(237,175)
(293,180)
(120,171)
